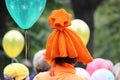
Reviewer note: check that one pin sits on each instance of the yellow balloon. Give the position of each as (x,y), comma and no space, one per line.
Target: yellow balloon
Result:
(81,28)
(13,43)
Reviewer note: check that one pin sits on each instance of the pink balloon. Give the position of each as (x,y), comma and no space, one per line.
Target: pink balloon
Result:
(82,73)
(96,64)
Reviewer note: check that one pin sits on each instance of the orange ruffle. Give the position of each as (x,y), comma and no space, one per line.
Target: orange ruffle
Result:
(64,42)
(59,19)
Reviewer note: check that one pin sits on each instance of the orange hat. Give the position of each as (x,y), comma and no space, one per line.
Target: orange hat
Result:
(64,42)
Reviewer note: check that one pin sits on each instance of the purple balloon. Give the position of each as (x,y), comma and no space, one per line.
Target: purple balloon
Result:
(102,74)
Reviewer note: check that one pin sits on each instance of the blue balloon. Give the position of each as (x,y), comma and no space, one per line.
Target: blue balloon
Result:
(102,74)
(25,12)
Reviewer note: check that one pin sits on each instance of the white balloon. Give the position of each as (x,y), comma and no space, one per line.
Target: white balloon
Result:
(82,73)
(102,74)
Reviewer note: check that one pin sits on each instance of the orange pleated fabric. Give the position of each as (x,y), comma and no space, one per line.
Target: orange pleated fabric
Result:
(64,42)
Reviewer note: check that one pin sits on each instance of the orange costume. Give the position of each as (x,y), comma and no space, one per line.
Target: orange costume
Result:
(66,72)
(63,42)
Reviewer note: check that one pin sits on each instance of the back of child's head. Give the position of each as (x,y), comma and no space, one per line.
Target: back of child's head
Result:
(16,71)
(39,63)
(61,60)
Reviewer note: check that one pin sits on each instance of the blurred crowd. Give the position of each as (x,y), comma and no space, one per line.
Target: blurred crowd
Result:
(98,69)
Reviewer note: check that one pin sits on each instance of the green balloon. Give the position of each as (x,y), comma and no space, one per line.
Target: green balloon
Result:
(25,12)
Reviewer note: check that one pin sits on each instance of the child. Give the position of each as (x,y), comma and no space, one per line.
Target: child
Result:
(40,65)
(16,71)
(63,49)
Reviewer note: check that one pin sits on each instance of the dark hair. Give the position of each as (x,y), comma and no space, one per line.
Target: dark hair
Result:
(61,60)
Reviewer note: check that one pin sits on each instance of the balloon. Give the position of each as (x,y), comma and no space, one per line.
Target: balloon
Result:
(82,29)
(25,12)
(96,64)
(82,73)
(13,43)
(102,74)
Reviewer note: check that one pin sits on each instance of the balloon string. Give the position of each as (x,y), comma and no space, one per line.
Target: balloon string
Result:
(14,60)
(26,43)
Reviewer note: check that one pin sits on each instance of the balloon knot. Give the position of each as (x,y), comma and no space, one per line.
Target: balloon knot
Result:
(59,19)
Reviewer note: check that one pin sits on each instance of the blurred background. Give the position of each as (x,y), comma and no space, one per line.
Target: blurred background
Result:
(102,17)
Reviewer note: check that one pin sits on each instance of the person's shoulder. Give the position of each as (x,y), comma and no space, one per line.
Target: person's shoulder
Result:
(74,77)
(41,75)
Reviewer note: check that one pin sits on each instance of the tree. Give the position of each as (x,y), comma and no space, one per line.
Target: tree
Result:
(3,27)
(107,21)
(84,9)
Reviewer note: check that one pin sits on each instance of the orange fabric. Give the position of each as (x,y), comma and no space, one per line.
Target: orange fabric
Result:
(65,72)
(64,42)
(59,19)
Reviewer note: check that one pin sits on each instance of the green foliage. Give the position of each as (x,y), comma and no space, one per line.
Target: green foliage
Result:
(107,30)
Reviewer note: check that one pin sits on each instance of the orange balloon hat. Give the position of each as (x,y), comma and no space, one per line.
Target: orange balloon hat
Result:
(64,42)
